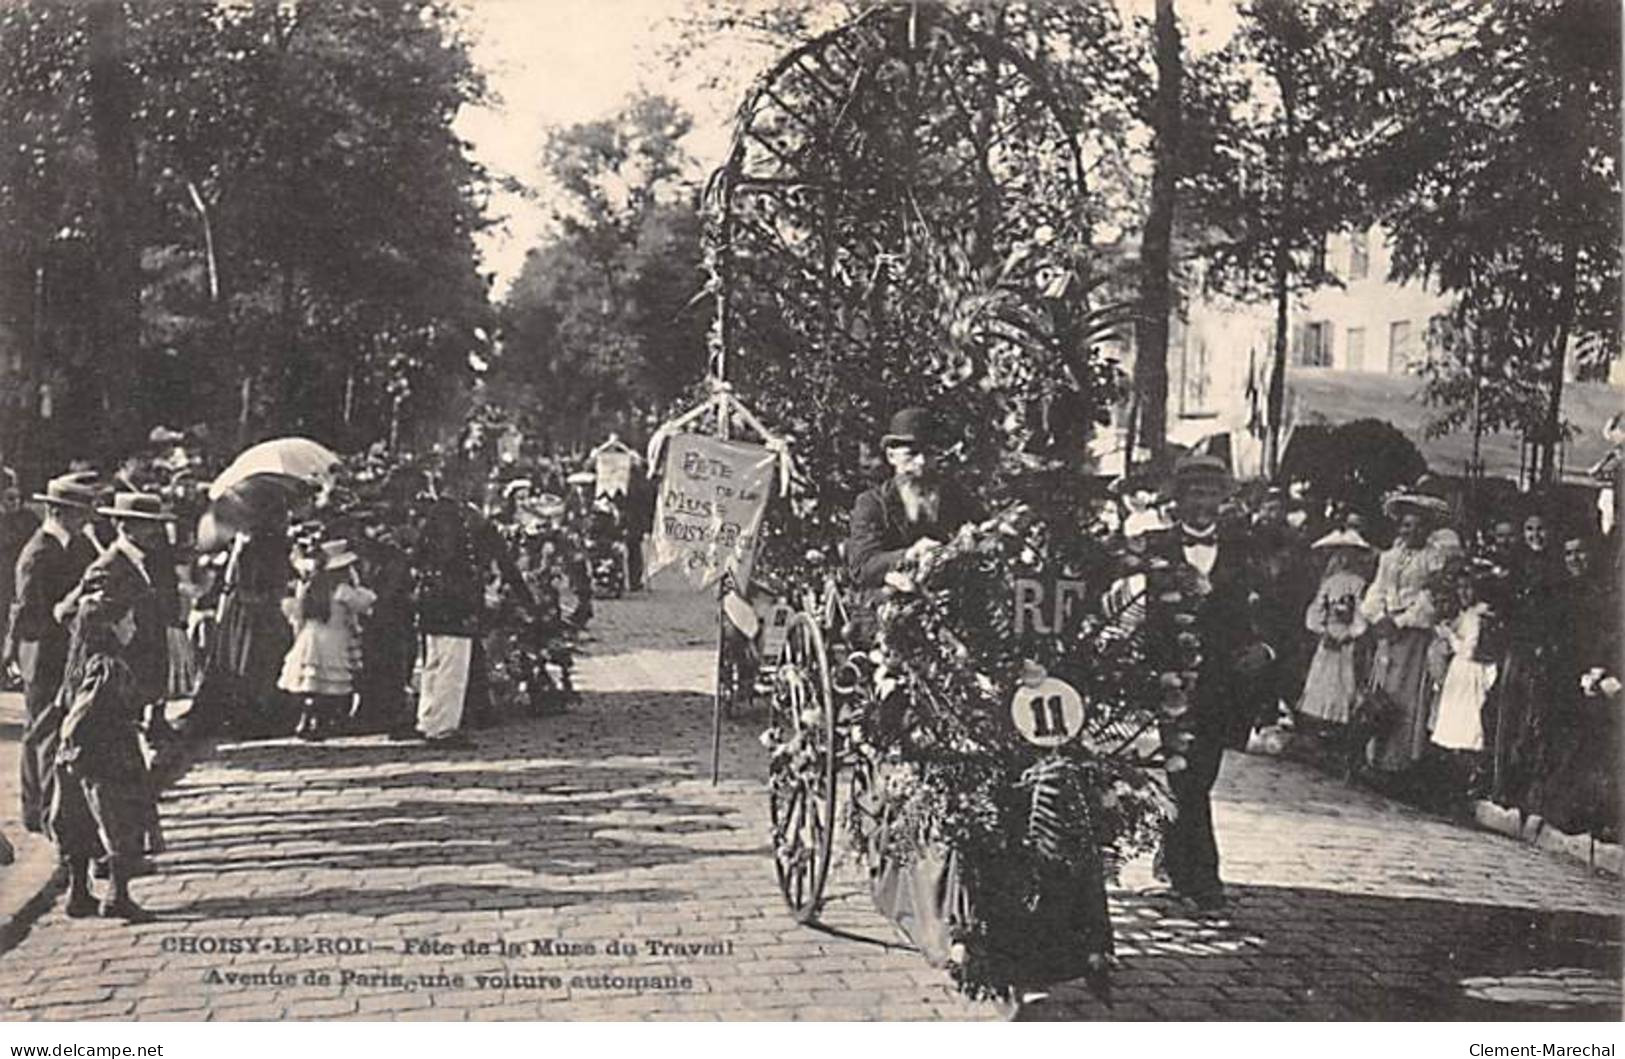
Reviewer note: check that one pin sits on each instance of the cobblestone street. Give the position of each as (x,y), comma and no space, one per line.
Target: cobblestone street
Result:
(379,871)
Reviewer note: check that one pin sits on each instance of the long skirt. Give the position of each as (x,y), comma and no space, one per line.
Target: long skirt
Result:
(1400,669)
(1516,717)
(239,682)
(1580,793)
(1332,685)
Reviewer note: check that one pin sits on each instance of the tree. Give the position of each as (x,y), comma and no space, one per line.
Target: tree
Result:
(1503,188)
(1156,245)
(302,212)
(1355,463)
(1284,167)
(602,330)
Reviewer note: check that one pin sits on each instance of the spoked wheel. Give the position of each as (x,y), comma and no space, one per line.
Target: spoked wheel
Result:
(803,798)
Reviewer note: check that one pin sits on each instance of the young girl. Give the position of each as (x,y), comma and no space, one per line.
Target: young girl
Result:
(1468,680)
(1334,616)
(325,611)
(102,800)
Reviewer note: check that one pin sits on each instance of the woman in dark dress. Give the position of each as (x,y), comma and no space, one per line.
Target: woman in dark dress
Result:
(251,638)
(102,800)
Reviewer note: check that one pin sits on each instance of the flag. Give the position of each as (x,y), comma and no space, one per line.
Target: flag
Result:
(1256,413)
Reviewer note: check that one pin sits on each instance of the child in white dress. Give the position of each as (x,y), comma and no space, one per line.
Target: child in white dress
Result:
(1333,683)
(326,612)
(1468,681)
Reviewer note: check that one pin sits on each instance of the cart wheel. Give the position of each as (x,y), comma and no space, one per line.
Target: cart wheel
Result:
(803,802)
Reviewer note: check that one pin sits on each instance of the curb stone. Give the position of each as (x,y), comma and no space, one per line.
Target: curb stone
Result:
(1605,857)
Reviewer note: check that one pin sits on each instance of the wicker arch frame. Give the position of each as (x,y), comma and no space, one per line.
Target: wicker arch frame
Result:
(874,172)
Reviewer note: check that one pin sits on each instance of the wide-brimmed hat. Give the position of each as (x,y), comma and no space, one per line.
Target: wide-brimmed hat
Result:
(332,555)
(581,478)
(1400,504)
(514,486)
(147,507)
(548,505)
(77,490)
(1343,538)
(912,426)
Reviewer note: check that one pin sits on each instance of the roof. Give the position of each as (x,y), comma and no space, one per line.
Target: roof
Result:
(1331,397)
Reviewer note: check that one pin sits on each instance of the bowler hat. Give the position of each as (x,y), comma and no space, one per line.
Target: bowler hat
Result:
(77,490)
(1201,472)
(911,426)
(144,506)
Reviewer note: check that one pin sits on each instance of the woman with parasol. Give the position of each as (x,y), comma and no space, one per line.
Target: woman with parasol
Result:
(251,502)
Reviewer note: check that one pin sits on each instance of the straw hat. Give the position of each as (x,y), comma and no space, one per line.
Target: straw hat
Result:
(333,555)
(78,490)
(1343,538)
(145,507)
(1400,504)
(1424,498)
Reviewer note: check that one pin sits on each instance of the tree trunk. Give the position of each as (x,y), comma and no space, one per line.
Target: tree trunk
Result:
(1282,265)
(118,269)
(1552,431)
(293,367)
(1151,352)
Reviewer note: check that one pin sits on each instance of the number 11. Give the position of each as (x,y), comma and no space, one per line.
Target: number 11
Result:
(1048,718)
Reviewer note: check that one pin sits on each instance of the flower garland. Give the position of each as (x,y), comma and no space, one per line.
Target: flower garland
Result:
(1028,823)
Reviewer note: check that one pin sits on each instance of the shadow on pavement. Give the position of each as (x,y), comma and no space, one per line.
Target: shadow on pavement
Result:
(618,785)
(1289,953)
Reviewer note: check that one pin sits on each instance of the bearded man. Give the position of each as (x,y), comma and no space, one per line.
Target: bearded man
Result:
(913,511)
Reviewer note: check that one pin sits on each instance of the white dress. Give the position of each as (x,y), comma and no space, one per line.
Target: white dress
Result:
(1466,684)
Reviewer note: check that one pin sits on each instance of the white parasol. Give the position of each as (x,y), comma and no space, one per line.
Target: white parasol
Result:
(290,458)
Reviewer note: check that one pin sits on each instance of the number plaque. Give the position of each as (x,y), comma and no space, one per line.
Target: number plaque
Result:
(1048,713)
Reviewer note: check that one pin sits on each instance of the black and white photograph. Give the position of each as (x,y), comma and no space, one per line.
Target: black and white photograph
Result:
(811,510)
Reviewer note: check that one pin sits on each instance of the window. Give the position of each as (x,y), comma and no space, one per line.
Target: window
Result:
(1315,349)
(1354,355)
(1359,255)
(1399,346)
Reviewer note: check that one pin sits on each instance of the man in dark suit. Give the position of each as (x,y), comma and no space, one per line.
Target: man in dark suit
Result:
(47,572)
(139,565)
(1217,567)
(17,525)
(913,511)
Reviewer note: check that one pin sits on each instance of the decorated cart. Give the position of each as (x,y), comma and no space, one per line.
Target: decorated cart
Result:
(903,220)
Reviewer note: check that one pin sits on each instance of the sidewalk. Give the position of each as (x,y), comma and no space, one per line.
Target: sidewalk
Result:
(26,884)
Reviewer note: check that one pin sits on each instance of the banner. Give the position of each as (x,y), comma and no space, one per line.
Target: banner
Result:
(712,497)
(614,469)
